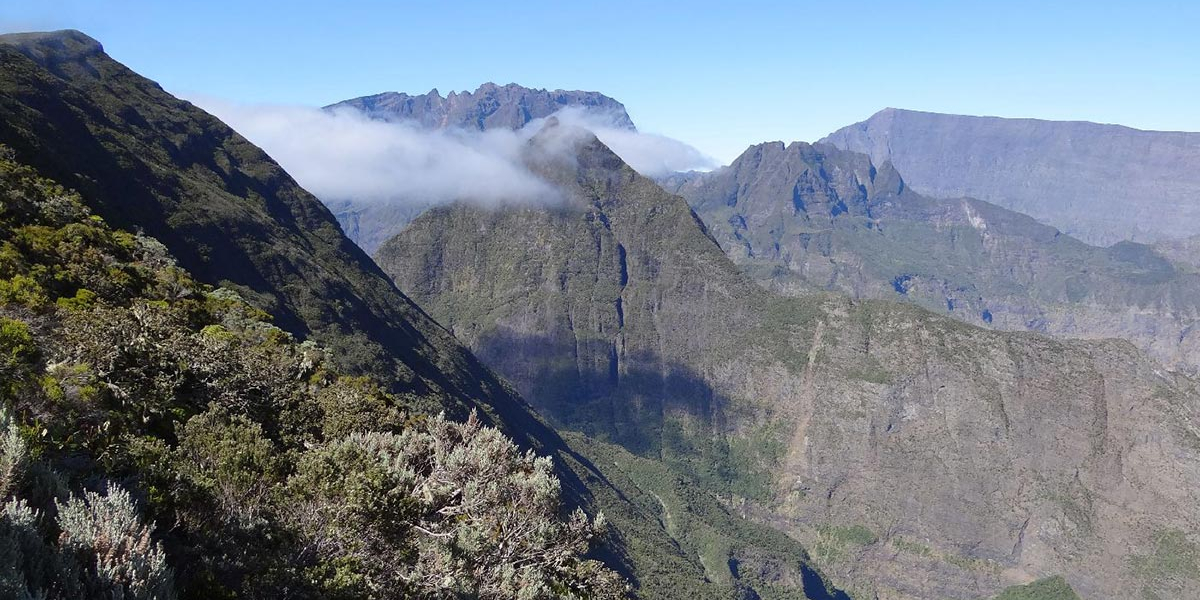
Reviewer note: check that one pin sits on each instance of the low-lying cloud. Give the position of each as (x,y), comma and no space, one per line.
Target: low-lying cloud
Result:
(342,155)
(650,154)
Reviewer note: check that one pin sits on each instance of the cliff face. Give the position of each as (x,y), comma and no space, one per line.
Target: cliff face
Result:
(803,218)
(1100,183)
(489,107)
(916,456)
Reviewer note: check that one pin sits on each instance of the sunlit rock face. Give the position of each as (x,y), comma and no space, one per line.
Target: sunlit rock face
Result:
(1099,183)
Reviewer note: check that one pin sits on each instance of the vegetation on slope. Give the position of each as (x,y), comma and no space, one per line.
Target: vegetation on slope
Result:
(1050,588)
(147,161)
(150,422)
(847,424)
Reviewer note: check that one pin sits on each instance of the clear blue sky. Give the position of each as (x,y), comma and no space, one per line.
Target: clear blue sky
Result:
(719,75)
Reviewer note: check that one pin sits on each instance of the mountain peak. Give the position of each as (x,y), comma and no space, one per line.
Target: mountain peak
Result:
(490,106)
(56,46)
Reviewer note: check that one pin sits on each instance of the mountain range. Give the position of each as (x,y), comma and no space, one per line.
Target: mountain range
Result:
(490,107)
(916,456)
(803,218)
(786,378)
(148,163)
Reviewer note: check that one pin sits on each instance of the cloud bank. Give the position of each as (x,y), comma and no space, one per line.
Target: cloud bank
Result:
(343,155)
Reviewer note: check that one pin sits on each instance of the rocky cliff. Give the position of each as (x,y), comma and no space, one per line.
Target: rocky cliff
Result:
(1100,183)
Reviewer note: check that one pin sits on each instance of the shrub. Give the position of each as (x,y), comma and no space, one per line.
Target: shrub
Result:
(17,347)
(459,508)
(12,454)
(228,459)
(120,560)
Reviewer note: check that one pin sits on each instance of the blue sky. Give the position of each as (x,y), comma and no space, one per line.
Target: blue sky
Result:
(720,76)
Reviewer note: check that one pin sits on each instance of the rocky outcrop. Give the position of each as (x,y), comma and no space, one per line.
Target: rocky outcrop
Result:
(1100,183)
(803,218)
(917,456)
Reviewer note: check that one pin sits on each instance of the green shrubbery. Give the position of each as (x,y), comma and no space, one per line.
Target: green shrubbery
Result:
(142,396)
(1050,588)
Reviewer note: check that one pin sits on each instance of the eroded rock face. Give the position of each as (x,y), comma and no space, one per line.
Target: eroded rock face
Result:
(1099,183)
(916,456)
(807,217)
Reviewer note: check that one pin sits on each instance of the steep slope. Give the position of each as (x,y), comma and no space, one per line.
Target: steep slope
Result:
(917,457)
(370,224)
(811,217)
(1099,183)
(148,162)
(489,107)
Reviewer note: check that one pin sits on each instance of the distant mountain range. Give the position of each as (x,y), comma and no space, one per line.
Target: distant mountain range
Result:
(803,218)
(1100,183)
(489,107)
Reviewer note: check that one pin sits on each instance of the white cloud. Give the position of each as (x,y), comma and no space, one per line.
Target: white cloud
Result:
(650,154)
(343,155)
